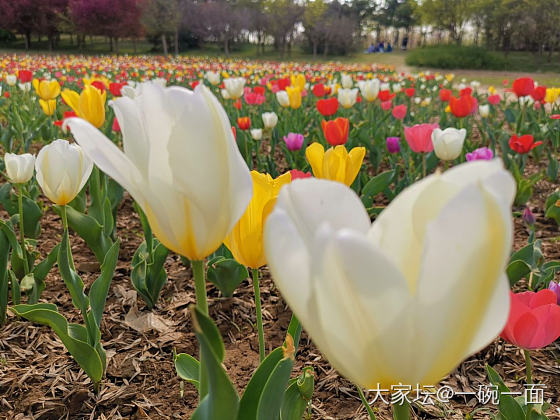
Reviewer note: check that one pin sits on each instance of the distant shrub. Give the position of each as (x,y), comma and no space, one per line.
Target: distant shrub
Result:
(6,36)
(455,57)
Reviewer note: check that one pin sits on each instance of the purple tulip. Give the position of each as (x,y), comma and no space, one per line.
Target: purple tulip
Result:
(555,287)
(393,145)
(482,153)
(293,141)
(528,216)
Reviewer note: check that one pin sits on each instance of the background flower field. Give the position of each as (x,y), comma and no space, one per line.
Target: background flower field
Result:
(322,105)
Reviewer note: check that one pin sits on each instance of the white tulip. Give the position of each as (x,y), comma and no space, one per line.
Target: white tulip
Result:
(225,94)
(448,143)
(407,298)
(346,81)
(347,97)
(213,77)
(26,87)
(19,168)
(484,110)
(180,163)
(384,86)
(11,79)
(256,133)
(62,170)
(270,119)
(369,89)
(396,87)
(283,98)
(234,87)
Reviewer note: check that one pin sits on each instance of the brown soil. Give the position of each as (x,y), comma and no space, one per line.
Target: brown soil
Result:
(39,379)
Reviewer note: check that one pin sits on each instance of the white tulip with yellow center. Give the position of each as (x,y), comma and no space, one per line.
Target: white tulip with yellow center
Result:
(369,89)
(180,163)
(62,170)
(234,87)
(347,97)
(407,298)
(448,143)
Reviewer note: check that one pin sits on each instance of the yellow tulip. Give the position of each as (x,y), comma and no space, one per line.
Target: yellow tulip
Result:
(49,106)
(336,163)
(298,81)
(294,95)
(552,95)
(89,105)
(491,90)
(89,81)
(245,241)
(46,89)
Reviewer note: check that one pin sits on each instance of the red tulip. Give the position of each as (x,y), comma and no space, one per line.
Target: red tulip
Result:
(234,131)
(534,319)
(399,112)
(539,93)
(462,106)
(244,123)
(523,144)
(445,95)
(99,85)
(67,114)
(296,174)
(327,107)
(465,92)
(25,76)
(116,126)
(523,86)
(410,92)
(386,106)
(494,99)
(385,95)
(419,137)
(319,90)
(237,104)
(116,88)
(336,131)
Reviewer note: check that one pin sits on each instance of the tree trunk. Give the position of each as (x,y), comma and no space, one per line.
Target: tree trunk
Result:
(134,44)
(314,49)
(226,46)
(117,45)
(164,44)
(111,44)
(27,41)
(326,51)
(176,41)
(51,42)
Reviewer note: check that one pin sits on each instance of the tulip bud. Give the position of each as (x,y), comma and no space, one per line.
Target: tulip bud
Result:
(347,81)
(19,168)
(270,119)
(11,79)
(213,77)
(369,89)
(234,87)
(555,287)
(62,171)
(393,145)
(293,141)
(482,153)
(484,110)
(448,143)
(256,133)
(528,216)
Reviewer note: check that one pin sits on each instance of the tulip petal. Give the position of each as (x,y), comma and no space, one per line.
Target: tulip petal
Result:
(108,157)
(315,153)
(465,252)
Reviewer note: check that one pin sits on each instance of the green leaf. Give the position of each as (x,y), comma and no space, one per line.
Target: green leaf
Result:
(516,270)
(378,183)
(148,277)
(90,231)
(226,274)
(71,278)
(249,403)
(496,379)
(187,368)
(221,401)
(40,271)
(271,398)
(84,354)
(510,409)
(100,287)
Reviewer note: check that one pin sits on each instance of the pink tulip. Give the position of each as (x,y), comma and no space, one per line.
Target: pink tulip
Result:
(419,137)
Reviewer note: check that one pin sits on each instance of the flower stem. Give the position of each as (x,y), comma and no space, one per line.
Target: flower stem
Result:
(65,227)
(423,165)
(200,286)
(365,403)
(21,228)
(528,367)
(260,330)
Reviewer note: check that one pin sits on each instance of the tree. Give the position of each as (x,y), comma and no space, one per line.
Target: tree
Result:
(115,19)
(162,18)
(29,17)
(314,22)
(449,15)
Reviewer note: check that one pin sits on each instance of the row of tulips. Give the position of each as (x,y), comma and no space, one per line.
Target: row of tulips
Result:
(401,300)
